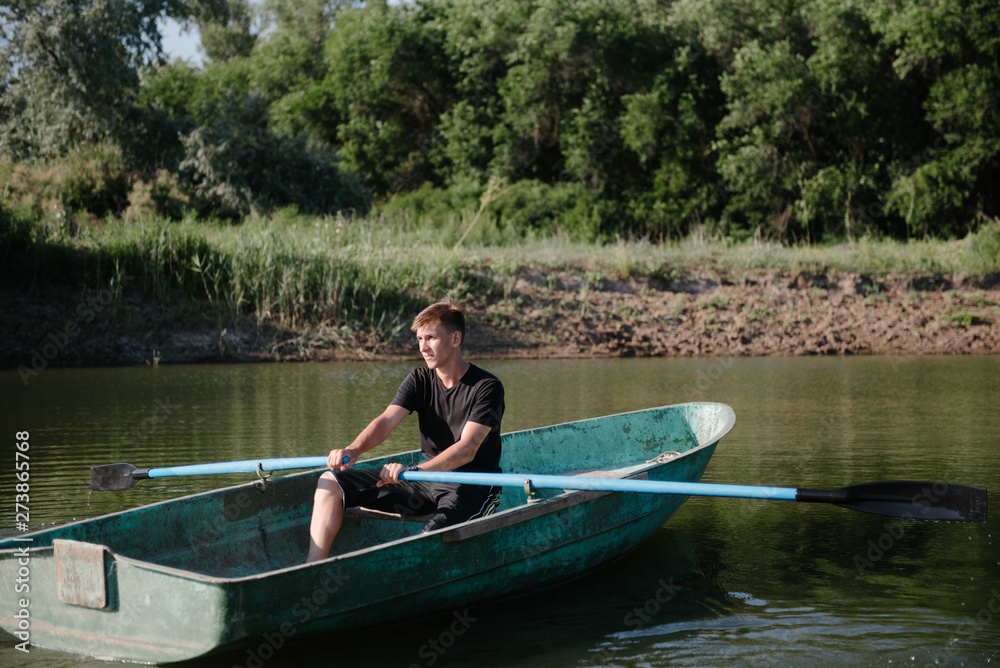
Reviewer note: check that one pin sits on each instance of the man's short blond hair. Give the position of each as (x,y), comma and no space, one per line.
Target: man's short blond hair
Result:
(448,314)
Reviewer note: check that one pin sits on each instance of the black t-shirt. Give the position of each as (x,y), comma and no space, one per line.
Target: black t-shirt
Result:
(477,397)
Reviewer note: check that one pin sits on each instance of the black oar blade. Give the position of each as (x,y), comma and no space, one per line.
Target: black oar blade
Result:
(114,477)
(907,499)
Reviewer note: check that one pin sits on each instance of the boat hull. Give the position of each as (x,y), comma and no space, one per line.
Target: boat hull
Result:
(222,570)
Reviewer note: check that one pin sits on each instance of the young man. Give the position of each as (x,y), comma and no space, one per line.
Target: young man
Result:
(460,407)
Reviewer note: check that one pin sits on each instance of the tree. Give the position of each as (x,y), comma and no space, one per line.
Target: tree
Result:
(308,19)
(234,131)
(952,49)
(229,32)
(71,69)
(670,129)
(239,166)
(389,83)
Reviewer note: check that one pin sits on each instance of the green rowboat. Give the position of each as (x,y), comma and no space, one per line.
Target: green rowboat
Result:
(222,570)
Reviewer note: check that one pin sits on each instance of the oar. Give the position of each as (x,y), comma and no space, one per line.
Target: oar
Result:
(940,501)
(116,477)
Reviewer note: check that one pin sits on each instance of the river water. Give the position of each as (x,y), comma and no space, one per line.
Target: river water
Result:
(726,582)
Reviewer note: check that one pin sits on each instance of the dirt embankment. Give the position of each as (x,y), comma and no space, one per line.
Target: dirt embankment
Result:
(543,314)
(760,313)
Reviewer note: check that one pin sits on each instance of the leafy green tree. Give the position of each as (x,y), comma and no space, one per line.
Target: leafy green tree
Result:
(178,98)
(764,146)
(233,131)
(862,116)
(308,19)
(816,124)
(71,69)
(238,166)
(478,41)
(722,27)
(388,83)
(670,129)
(558,94)
(797,119)
(228,33)
(952,49)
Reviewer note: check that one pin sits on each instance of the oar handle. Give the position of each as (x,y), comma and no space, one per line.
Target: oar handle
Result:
(821,495)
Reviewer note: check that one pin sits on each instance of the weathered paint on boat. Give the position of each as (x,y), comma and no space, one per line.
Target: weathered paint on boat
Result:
(222,570)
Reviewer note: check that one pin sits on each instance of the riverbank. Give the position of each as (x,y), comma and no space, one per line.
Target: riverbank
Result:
(539,312)
(317,288)
(757,313)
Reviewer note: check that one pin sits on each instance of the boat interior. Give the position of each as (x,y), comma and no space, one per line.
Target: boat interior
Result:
(255,528)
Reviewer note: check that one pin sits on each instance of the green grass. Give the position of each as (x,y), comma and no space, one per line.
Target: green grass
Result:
(374,272)
(961,318)
(642,258)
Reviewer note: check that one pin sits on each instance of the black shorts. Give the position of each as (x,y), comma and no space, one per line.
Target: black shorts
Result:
(447,504)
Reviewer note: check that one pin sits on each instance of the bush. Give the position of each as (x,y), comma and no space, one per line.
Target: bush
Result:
(531,206)
(522,210)
(239,167)
(981,249)
(441,209)
(158,197)
(90,182)
(16,239)
(96,180)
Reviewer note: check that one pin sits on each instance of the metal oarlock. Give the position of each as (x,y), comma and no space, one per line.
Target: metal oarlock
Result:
(262,482)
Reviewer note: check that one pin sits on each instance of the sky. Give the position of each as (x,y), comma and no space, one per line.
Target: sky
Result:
(178,43)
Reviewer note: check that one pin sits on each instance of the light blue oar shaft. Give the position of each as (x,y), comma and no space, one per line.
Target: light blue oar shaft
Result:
(603,484)
(499,479)
(245,466)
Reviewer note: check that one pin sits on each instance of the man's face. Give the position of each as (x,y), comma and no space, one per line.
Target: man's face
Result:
(437,345)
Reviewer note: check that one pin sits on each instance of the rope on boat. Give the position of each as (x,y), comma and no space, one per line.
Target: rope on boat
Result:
(664,457)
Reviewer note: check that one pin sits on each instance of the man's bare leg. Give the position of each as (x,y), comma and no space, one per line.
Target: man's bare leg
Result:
(327,515)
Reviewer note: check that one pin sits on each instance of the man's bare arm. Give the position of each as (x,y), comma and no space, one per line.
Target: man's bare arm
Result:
(454,456)
(375,433)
